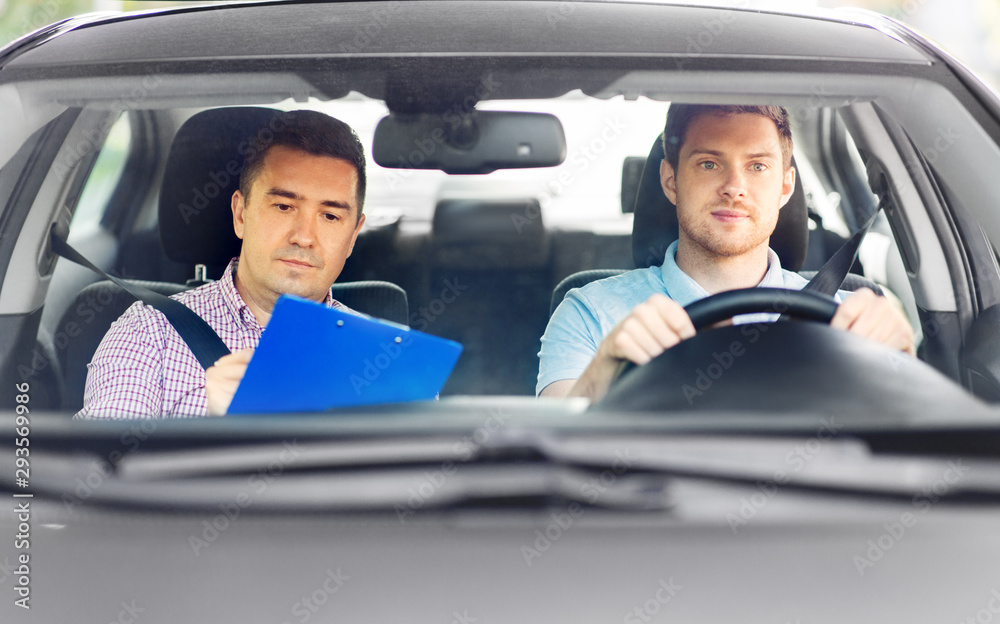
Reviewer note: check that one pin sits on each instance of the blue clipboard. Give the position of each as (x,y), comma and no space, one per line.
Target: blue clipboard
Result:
(314,358)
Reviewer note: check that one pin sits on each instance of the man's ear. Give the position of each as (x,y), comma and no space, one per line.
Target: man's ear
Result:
(357,230)
(239,206)
(787,186)
(668,180)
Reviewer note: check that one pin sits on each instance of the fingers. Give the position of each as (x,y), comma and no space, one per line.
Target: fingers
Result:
(223,378)
(851,309)
(866,314)
(676,316)
(230,367)
(631,344)
(653,326)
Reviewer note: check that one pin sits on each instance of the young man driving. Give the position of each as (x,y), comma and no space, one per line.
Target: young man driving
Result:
(298,211)
(728,170)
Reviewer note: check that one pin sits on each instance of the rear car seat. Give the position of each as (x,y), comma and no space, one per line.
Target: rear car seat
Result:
(490,268)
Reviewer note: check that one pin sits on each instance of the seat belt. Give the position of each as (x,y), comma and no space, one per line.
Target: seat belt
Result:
(196,333)
(831,275)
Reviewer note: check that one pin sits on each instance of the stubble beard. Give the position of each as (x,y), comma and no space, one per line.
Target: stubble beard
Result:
(720,243)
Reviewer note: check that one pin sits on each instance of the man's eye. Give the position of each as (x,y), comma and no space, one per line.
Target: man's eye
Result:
(709,165)
(758,167)
(331,217)
(283,207)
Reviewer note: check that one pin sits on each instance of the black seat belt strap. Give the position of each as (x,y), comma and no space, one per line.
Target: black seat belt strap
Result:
(196,333)
(831,275)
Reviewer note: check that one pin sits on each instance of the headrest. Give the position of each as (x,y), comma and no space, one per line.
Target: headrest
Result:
(473,221)
(655,225)
(485,234)
(202,172)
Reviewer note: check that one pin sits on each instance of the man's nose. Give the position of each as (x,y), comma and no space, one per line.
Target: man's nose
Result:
(303,232)
(735,184)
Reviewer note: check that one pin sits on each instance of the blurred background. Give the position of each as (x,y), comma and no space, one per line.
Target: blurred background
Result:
(969,29)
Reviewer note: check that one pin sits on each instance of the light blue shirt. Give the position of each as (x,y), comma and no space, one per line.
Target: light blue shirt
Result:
(588,314)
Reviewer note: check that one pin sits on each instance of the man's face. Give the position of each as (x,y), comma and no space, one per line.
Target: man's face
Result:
(298,225)
(730,183)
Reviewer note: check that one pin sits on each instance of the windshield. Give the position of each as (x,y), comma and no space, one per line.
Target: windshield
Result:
(484,250)
(501,311)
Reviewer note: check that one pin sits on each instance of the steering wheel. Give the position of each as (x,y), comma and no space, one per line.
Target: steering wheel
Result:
(780,367)
(801,304)
(705,313)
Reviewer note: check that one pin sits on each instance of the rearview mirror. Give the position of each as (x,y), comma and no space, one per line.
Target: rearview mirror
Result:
(475,143)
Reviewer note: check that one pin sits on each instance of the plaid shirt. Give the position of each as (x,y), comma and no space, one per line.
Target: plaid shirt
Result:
(144,369)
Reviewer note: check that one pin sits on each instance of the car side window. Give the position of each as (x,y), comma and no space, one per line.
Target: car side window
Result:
(104,177)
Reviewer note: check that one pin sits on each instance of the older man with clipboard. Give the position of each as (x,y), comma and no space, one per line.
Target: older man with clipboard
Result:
(298,212)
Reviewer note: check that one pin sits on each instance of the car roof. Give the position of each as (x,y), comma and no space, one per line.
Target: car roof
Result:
(446,27)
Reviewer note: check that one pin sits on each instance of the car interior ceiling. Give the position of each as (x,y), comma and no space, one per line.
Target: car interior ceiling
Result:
(469,255)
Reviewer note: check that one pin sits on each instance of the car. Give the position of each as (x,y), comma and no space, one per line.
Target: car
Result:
(774,472)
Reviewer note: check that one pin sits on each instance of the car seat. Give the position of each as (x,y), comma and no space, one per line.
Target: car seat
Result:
(196,227)
(499,253)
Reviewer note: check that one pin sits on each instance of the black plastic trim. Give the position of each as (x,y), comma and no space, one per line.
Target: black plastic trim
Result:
(29,168)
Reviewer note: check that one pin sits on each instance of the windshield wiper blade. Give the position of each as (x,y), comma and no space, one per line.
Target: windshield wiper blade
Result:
(831,466)
(441,486)
(518,466)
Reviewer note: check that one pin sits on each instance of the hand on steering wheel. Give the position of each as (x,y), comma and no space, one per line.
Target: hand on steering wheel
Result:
(797,304)
(785,367)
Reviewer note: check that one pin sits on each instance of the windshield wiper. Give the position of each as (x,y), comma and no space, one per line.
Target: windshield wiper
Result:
(517,466)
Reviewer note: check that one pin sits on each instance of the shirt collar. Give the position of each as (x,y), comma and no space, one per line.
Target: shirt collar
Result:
(684,290)
(236,303)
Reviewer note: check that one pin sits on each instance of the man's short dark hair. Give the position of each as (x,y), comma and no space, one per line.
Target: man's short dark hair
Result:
(309,131)
(680,116)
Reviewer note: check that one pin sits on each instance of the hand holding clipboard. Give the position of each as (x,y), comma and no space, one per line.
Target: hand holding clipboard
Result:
(314,358)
